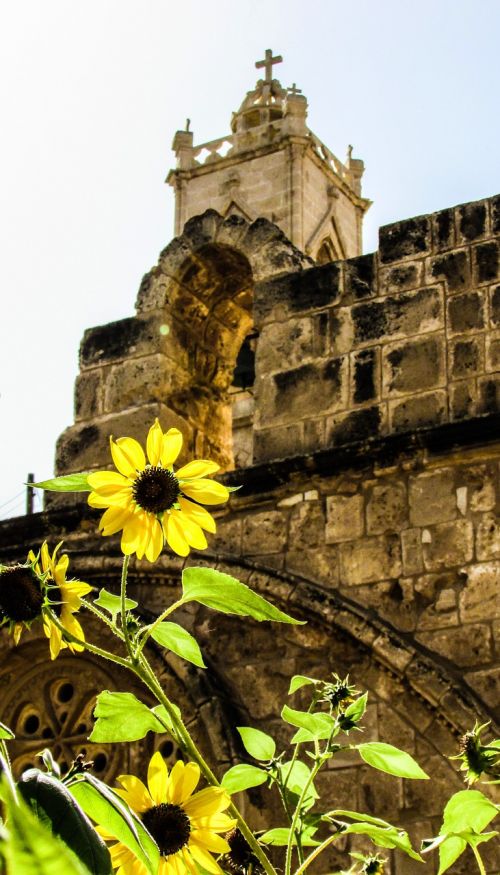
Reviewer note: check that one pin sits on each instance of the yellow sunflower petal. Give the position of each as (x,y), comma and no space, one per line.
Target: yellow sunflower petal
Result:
(154,443)
(206,491)
(198,514)
(134,532)
(134,792)
(171,447)
(105,479)
(209,801)
(73,627)
(203,857)
(183,779)
(210,840)
(45,556)
(128,456)
(192,532)
(16,632)
(56,644)
(76,588)
(189,862)
(158,778)
(114,519)
(113,498)
(215,822)
(196,468)
(174,535)
(155,542)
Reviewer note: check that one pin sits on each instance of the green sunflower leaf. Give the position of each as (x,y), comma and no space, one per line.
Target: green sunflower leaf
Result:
(258,744)
(114,815)
(179,641)
(316,726)
(29,848)
(390,759)
(5,732)
(228,595)
(243,776)
(279,836)
(66,483)
(384,837)
(122,717)
(298,681)
(465,816)
(112,603)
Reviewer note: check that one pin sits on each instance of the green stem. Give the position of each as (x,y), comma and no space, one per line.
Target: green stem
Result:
(317,851)
(479,861)
(289,850)
(5,753)
(145,672)
(102,616)
(123,612)
(147,631)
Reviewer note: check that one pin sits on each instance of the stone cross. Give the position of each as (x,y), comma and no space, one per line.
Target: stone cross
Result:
(268,63)
(294,89)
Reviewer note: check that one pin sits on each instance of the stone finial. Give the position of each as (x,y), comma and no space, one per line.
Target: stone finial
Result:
(268,64)
(183,147)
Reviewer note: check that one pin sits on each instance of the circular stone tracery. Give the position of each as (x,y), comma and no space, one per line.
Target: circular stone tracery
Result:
(50,705)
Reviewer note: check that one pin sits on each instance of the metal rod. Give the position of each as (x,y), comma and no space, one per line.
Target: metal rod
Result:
(30,494)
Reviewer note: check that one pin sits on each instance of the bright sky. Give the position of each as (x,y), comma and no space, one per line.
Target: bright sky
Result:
(91,94)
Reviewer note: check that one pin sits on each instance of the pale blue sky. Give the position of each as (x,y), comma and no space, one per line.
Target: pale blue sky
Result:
(91,95)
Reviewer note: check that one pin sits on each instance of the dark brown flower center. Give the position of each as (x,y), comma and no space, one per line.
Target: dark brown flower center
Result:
(21,596)
(156,489)
(169,825)
(240,858)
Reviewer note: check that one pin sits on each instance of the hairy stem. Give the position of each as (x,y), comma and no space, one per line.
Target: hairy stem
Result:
(147,631)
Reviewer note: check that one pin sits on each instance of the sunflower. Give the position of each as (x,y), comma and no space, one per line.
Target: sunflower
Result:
(151,504)
(185,827)
(63,598)
(22,596)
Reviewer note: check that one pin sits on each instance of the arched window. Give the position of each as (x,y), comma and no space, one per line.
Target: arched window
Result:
(326,252)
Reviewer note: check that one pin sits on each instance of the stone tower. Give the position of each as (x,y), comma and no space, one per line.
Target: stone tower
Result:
(271,165)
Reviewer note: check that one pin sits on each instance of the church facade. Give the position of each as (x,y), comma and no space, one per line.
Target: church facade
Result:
(355,398)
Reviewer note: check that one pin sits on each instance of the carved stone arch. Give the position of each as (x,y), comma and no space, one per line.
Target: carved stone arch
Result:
(203,288)
(326,252)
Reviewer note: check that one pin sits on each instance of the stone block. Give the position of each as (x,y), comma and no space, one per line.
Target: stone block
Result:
(116,340)
(495,214)
(443,231)
(308,390)
(420,411)
(365,366)
(401,278)
(487,684)
(411,546)
(311,289)
(482,482)
(412,367)
(469,645)
(228,536)
(360,425)
(463,397)
(488,538)
(479,597)
(88,395)
(402,239)
(139,381)
(485,261)
(306,526)
(466,357)
(341,330)
(489,395)
(368,560)
(277,443)
(399,316)
(284,345)
(267,528)
(386,508)
(437,596)
(472,221)
(321,566)
(450,544)
(454,269)
(359,274)
(495,306)
(466,313)
(493,352)
(344,518)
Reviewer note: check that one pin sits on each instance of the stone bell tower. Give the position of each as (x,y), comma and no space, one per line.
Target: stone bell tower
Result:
(273,166)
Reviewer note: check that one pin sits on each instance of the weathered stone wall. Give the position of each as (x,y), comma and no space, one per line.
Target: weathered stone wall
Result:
(370,509)
(398,341)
